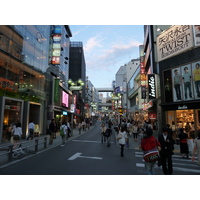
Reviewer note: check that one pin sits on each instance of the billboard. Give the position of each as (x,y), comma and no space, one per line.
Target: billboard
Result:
(175,40)
(65,98)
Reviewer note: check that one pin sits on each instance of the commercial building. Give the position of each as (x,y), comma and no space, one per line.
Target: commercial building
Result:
(77,71)
(30,62)
(178,54)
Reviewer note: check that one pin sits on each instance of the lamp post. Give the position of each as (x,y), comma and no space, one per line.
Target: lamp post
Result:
(74,87)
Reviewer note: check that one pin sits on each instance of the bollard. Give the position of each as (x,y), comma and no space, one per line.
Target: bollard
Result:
(10,153)
(45,142)
(36,145)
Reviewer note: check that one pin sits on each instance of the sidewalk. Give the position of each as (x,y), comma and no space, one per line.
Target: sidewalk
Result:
(30,145)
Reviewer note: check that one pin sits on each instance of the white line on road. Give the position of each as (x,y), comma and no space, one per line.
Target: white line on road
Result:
(174,168)
(88,141)
(78,155)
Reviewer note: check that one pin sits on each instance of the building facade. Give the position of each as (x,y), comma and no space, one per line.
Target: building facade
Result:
(77,70)
(28,72)
(179,75)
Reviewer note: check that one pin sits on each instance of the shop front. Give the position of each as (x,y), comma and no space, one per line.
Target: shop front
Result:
(179,115)
(12,112)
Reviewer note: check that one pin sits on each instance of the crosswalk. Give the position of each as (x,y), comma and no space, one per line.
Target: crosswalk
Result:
(180,165)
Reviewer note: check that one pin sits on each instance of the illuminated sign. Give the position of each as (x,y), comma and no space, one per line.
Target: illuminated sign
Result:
(65,97)
(64,113)
(152,86)
(55,60)
(56,52)
(56,45)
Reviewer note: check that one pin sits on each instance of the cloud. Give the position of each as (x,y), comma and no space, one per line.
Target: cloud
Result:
(120,50)
(108,59)
(93,43)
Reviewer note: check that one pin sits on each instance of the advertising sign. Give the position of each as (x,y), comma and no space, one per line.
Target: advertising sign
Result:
(56,90)
(175,40)
(56,45)
(152,86)
(65,97)
(196,29)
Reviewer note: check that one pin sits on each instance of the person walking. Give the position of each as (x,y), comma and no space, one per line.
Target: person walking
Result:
(108,134)
(122,140)
(79,127)
(167,147)
(150,144)
(84,125)
(52,129)
(183,143)
(17,134)
(135,131)
(196,148)
(31,128)
(63,133)
(103,130)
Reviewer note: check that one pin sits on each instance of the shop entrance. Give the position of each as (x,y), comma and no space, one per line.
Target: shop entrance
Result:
(34,114)
(12,115)
(179,118)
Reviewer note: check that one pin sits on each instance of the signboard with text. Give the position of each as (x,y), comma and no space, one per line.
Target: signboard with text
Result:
(175,40)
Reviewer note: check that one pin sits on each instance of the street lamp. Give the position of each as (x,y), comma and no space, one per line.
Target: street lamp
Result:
(76,87)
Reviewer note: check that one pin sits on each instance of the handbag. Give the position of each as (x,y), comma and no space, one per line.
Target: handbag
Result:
(151,155)
(119,136)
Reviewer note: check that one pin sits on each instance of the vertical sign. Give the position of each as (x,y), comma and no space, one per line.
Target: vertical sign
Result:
(152,86)
(56,45)
(142,72)
(56,91)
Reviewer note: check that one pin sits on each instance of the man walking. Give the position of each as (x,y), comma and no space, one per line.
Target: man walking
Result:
(31,128)
(167,147)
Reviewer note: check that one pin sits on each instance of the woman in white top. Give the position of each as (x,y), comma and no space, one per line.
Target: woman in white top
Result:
(17,133)
(122,140)
(196,149)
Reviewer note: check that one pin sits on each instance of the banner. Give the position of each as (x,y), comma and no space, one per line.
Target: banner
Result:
(56,90)
(173,41)
(152,86)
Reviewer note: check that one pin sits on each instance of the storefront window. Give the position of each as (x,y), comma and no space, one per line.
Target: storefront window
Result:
(179,118)
(12,114)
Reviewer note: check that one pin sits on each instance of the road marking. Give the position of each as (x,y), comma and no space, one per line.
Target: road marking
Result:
(78,155)
(88,141)
(174,168)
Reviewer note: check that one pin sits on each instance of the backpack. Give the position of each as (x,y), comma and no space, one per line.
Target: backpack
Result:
(62,131)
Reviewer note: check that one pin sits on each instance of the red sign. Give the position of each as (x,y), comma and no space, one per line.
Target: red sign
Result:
(152,116)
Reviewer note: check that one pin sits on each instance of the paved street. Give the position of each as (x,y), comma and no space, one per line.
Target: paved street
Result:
(86,155)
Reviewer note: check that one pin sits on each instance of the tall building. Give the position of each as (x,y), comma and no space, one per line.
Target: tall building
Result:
(77,70)
(32,59)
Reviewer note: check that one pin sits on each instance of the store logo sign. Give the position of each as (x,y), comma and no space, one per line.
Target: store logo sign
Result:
(152,86)
(182,107)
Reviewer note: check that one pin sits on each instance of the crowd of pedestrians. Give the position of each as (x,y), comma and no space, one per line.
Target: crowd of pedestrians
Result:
(157,148)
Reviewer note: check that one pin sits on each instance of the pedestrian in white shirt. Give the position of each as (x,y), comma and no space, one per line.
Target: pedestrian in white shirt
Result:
(63,133)
(17,133)
(122,139)
(31,128)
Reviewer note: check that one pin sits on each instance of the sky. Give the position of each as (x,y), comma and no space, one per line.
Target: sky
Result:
(107,48)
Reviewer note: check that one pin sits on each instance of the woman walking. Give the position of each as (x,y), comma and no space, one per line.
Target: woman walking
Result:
(150,144)
(183,143)
(135,131)
(122,139)
(196,149)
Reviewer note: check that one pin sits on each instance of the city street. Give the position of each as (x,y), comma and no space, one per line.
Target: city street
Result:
(86,155)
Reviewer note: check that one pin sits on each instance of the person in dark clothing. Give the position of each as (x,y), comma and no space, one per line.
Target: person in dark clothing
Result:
(183,143)
(169,130)
(52,129)
(167,147)
(108,135)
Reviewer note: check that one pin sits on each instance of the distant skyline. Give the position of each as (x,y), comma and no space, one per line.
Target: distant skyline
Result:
(107,48)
